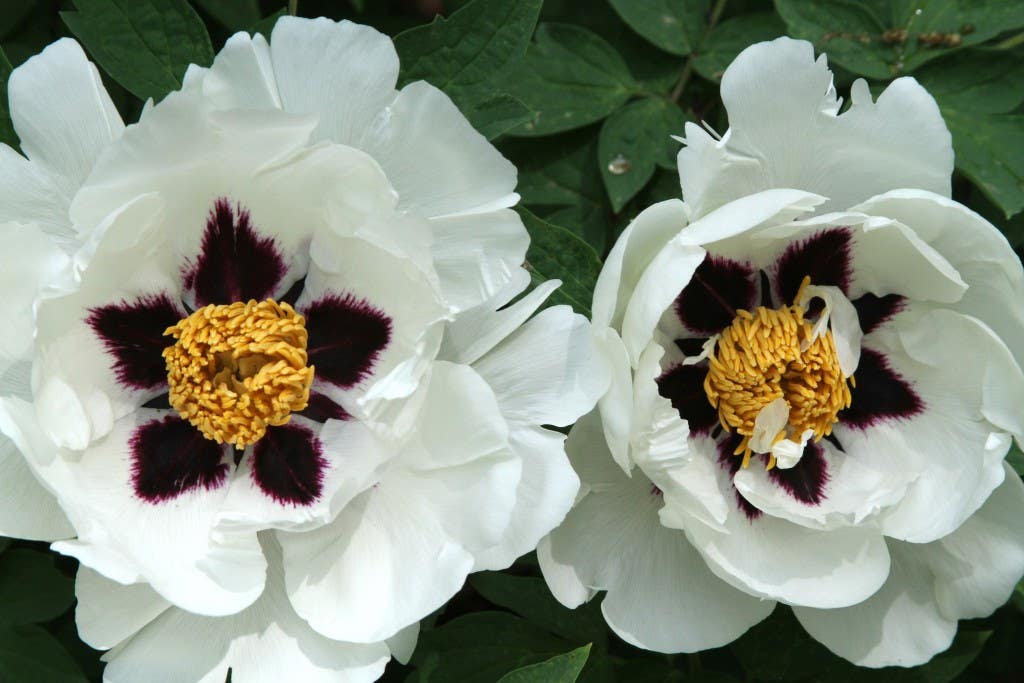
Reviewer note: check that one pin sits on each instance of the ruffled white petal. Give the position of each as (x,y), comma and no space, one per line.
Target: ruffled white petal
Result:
(342,72)
(970,399)
(900,625)
(64,118)
(786,131)
(404,547)
(661,595)
(27,510)
(437,162)
(169,544)
(265,643)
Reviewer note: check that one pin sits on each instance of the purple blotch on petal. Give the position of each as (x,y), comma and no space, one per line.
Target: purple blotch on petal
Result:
(322,409)
(732,464)
(235,263)
(683,385)
(170,457)
(806,480)
(288,465)
(718,288)
(881,393)
(133,333)
(874,311)
(346,337)
(824,256)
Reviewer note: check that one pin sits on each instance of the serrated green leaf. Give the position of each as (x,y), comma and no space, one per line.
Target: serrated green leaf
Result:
(481,647)
(570,77)
(232,14)
(559,253)
(559,669)
(675,26)
(28,653)
(530,598)
(633,141)
(145,45)
(559,180)
(32,590)
(730,38)
(467,56)
(7,134)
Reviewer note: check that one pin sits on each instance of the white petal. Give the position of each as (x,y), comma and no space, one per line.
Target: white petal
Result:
(437,162)
(404,547)
(396,288)
(108,612)
(477,255)
(342,72)
(633,251)
(478,330)
(62,113)
(777,559)
(546,493)
(770,420)
(403,643)
(785,131)
(979,252)
(352,455)
(977,566)
(30,263)
(546,372)
(265,643)
(616,405)
(841,317)
(27,510)
(900,625)
(661,595)
(242,75)
(970,403)
(169,544)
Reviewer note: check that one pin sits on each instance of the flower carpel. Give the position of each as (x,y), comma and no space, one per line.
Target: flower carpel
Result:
(236,369)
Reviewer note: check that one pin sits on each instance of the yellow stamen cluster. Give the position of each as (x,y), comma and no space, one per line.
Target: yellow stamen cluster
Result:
(236,369)
(769,354)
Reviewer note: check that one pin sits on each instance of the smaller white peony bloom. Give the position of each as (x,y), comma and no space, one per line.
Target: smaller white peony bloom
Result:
(814,388)
(256,373)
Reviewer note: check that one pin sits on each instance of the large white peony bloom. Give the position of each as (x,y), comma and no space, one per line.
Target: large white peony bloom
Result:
(262,325)
(813,392)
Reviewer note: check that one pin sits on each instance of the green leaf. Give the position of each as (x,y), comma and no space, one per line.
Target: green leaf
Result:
(559,669)
(977,93)
(730,38)
(14,14)
(266,24)
(145,45)
(32,590)
(530,598)
(560,181)
(29,653)
(865,36)
(633,141)
(498,115)
(4,542)
(481,647)
(7,134)
(1015,458)
(778,649)
(232,14)
(559,253)
(570,77)
(675,26)
(467,54)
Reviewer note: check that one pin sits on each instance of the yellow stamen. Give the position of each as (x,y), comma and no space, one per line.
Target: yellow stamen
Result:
(236,369)
(759,358)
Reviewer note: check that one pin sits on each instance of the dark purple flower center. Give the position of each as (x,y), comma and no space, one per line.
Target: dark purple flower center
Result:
(709,304)
(170,457)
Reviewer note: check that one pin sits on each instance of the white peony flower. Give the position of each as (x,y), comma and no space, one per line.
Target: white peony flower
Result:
(813,393)
(270,310)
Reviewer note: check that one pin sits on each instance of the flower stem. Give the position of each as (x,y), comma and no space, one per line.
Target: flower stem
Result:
(687,73)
